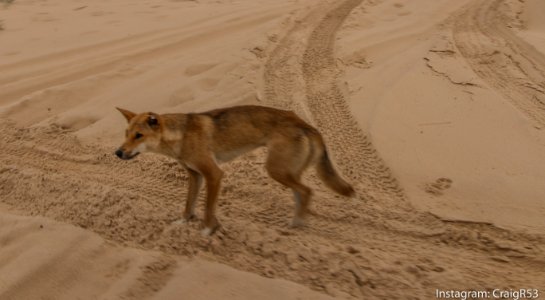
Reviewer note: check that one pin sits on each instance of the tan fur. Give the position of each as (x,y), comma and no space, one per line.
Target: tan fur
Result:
(199,141)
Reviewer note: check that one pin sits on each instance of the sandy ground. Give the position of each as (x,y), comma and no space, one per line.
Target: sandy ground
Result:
(434,110)
(85,266)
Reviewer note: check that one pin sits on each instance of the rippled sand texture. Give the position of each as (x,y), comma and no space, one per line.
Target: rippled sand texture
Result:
(433,109)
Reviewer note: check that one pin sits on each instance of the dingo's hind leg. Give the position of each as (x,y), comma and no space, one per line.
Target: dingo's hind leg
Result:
(285,164)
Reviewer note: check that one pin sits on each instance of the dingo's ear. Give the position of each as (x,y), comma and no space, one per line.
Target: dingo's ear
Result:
(152,120)
(127,114)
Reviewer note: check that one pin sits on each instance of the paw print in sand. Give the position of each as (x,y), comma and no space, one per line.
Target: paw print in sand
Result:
(436,188)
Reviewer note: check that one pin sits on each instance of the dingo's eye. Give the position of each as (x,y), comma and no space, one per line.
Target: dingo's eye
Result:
(138,135)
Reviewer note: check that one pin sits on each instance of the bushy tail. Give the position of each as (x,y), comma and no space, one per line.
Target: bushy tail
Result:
(331,178)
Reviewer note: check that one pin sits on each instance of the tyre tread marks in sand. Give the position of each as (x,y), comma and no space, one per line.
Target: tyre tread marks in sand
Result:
(58,154)
(327,103)
(503,60)
(135,202)
(101,197)
(45,171)
(311,66)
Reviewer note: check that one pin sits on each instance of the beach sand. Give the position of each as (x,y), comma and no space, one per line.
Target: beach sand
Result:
(433,110)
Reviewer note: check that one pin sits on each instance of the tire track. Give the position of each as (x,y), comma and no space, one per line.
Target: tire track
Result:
(363,248)
(482,33)
(45,171)
(305,60)
(66,154)
(154,276)
(134,203)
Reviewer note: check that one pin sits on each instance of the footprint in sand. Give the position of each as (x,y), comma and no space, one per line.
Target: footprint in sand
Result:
(208,84)
(198,69)
(76,121)
(44,17)
(436,188)
(101,13)
(11,53)
(403,13)
(182,95)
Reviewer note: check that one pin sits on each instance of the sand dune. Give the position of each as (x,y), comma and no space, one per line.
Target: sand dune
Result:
(434,110)
(462,95)
(42,259)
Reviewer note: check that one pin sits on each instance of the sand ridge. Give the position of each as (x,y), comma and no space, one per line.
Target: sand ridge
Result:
(416,82)
(86,266)
(407,232)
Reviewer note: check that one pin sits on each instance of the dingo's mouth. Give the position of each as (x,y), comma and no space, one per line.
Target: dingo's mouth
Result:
(123,156)
(127,157)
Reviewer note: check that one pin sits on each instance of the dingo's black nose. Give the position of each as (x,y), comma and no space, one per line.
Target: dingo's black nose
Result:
(119,153)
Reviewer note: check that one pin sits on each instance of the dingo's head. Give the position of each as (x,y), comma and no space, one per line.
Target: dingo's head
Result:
(142,135)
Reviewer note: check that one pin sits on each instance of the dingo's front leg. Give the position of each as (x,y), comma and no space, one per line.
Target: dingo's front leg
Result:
(195,183)
(213,175)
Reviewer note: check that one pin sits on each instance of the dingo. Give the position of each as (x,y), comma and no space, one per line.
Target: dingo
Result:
(199,141)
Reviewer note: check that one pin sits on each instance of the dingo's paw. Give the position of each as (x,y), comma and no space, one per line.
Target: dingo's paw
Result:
(184,220)
(297,222)
(206,231)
